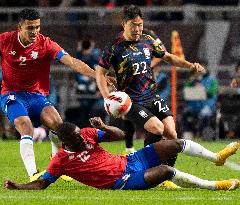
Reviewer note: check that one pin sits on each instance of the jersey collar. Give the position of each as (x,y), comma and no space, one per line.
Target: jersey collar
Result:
(18,36)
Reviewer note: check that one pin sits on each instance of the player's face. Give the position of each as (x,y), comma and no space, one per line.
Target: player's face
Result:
(29,31)
(133,29)
(76,142)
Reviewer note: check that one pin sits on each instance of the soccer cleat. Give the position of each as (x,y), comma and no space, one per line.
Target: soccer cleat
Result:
(230,184)
(128,151)
(37,175)
(169,185)
(66,178)
(226,152)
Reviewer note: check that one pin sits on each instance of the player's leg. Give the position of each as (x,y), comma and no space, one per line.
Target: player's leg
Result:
(169,148)
(160,109)
(51,119)
(129,130)
(156,175)
(13,107)
(142,117)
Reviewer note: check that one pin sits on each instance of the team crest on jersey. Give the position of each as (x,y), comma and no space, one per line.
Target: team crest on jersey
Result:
(147,53)
(71,157)
(34,55)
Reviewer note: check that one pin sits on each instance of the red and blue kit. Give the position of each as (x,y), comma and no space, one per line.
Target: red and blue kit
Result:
(27,68)
(94,166)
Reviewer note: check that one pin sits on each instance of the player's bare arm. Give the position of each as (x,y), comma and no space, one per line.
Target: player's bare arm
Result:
(179,62)
(112,132)
(35,185)
(78,66)
(102,81)
(235,82)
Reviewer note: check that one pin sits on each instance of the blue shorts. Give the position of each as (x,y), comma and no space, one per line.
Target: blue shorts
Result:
(16,104)
(137,163)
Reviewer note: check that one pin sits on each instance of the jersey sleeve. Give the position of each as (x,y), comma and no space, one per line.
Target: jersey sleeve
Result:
(54,170)
(106,58)
(157,45)
(2,39)
(54,50)
(100,136)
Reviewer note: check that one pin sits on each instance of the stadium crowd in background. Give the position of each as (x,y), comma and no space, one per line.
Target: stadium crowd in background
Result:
(111,3)
(200,93)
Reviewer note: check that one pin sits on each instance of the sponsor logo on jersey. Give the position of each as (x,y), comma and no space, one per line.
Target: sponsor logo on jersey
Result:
(34,55)
(124,56)
(143,114)
(12,53)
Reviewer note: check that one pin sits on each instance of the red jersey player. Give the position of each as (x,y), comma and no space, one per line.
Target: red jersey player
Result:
(85,160)
(25,60)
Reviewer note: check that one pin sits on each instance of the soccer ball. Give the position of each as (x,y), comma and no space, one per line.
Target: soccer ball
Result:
(117,104)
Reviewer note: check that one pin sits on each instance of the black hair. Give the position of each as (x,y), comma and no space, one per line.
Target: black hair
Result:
(29,14)
(65,130)
(131,12)
(86,44)
(237,66)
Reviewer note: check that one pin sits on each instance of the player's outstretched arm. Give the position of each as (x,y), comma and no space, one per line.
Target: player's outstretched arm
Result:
(235,83)
(112,133)
(78,66)
(179,62)
(102,81)
(35,185)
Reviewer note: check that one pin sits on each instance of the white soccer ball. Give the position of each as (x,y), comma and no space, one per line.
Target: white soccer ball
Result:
(117,104)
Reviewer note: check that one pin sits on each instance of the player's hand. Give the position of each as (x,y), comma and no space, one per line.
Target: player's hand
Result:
(9,185)
(96,122)
(235,83)
(197,67)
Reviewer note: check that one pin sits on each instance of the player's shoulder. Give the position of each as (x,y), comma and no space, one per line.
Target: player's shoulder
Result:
(44,38)
(8,35)
(88,131)
(112,45)
(149,34)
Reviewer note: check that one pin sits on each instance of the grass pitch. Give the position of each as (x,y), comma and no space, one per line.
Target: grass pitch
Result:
(75,193)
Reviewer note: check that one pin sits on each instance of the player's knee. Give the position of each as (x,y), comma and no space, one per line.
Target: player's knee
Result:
(178,145)
(170,134)
(24,125)
(154,125)
(167,172)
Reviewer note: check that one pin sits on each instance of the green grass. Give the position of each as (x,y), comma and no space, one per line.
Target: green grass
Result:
(75,193)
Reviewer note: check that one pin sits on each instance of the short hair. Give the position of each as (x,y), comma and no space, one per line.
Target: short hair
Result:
(131,12)
(86,44)
(237,66)
(29,14)
(65,130)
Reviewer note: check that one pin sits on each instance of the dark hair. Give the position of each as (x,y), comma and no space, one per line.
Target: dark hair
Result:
(237,66)
(65,130)
(29,14)
(86,44)
(131,12)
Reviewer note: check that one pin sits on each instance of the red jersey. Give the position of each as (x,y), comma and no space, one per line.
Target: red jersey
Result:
(26,68)
(94,166)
